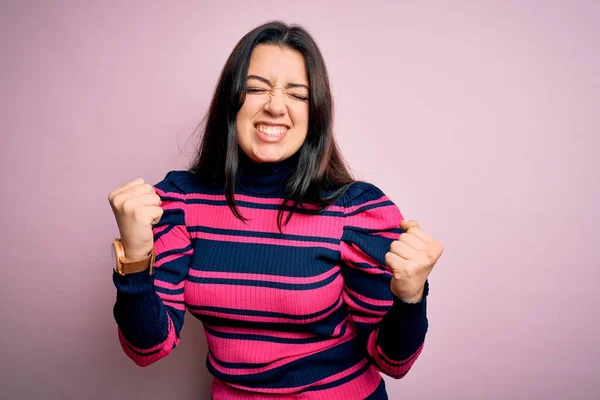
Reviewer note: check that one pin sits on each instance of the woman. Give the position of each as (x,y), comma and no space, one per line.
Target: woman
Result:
(308,283)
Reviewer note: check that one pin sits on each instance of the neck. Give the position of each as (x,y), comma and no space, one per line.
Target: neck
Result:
(265,178)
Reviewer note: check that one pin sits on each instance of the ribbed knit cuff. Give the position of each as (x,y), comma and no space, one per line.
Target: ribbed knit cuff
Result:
(402,330)
(137,283)
(139,311)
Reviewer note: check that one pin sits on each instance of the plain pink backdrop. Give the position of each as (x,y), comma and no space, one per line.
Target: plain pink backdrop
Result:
(478,118)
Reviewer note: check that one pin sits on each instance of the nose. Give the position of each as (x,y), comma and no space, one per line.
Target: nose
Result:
(276,104)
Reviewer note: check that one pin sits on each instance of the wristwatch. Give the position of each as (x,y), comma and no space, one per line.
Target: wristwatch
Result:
(124,267)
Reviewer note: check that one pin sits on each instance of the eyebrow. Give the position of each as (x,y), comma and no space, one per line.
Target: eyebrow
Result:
(288,86)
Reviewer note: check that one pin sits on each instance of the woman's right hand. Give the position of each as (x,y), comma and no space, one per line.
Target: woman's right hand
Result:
(136,207)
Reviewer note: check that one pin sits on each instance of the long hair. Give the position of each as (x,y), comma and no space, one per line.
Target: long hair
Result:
(321,175)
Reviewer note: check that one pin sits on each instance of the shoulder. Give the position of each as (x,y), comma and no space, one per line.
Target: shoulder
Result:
(361,192)
(176,181)
(366,205)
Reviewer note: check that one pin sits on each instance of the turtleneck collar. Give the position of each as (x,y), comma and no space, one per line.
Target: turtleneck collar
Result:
(265,178)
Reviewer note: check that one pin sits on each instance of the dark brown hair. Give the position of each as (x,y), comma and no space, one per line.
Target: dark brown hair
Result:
(321,175)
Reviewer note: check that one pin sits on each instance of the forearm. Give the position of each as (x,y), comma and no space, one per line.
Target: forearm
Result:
(146,331)
(399,339)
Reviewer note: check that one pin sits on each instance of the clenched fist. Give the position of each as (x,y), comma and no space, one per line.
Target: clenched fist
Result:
(410,259)
(136,207)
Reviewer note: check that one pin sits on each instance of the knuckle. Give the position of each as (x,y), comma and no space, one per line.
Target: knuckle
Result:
(118,201)
(128,206)
(138,213)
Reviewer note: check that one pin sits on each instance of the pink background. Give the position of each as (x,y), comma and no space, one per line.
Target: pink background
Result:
(480,119)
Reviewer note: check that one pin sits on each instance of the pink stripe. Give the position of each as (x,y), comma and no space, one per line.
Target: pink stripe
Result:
(177,306)
(257,240)
(339,327)
(353,255)
(177,237)
(359,388)
(264,221)
(366,320)
(168,285)
(412,357)
(250,331)
(252,318)
(386,364)
(159,229)
(320,394)
(252,199)
(265,298)
(172,257)
(145,360)
(280,334)
(357,307)
(176,195)
(263,277)
(375,302)
(366,203)
(382,218)
(170,297)
(260,352)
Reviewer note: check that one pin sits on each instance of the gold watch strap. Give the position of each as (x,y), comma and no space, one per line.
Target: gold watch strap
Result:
(131,267)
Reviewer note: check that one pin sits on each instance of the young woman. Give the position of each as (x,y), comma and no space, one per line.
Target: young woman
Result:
(308,283)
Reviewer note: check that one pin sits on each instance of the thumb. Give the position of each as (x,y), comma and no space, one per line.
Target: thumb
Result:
(155,214)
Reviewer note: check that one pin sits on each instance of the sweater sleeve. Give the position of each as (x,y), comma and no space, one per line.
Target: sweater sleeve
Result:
(392,332)
(149,310)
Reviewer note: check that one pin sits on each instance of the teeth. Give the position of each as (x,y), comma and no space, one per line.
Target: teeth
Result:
(271,130)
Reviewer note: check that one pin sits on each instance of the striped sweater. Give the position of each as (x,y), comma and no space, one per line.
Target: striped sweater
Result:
(307,314)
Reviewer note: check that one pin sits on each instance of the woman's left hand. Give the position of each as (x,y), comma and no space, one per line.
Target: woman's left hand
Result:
(411,259)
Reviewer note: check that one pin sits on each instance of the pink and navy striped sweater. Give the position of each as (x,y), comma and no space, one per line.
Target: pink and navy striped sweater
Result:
(307,314)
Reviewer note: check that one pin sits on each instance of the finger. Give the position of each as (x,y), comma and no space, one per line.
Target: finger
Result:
(413,241)
(404,250)
(126,186)
(394,261)
(420,234)
(149,199)
(408,223)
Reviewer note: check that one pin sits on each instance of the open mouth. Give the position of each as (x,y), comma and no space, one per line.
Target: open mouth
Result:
(271,130)
(270,133)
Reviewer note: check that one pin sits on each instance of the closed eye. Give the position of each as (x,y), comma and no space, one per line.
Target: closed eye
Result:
(255,90)
(300,97)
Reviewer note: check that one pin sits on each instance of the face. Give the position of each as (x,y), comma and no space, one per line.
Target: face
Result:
(273,121)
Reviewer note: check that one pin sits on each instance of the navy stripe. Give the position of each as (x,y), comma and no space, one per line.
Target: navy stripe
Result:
(299,372)
(260,206)
(163,232)
(254,313)
(325,326)
(370,207)
(266,284)
(339,382)
(172,217)
(378,286)
(365,266)
(269,235)
(255,258)
(172,252)
(367,305)
(374,231)
(273,339)
(168,291)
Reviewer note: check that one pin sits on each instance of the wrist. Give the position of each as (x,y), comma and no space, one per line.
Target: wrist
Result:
(137,255)
(412,298)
